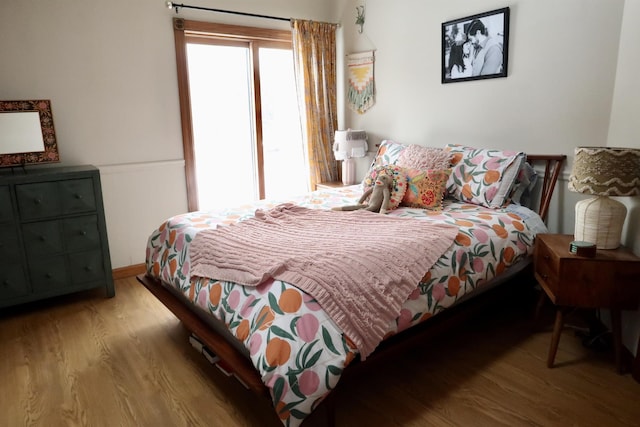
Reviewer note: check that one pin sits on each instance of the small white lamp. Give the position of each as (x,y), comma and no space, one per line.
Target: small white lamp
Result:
(349,144)
(603,172)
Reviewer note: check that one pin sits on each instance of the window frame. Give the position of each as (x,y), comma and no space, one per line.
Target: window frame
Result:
(188,31)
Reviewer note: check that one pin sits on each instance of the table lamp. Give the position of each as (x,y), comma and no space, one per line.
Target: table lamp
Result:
(349,144)
(603,172)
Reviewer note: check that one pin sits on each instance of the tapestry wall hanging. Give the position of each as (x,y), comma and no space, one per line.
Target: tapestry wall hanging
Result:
(361,88)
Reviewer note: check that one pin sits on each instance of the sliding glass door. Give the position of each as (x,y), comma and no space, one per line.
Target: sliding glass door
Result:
(243,135)
(223,125)
(285,172)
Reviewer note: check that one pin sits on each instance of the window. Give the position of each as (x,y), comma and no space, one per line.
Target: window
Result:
(240,122)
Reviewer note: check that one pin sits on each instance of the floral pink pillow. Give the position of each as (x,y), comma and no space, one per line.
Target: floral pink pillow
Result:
(425,188)
(424,158)
(482,176)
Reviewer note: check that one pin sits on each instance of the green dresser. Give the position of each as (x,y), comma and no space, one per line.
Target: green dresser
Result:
(53,235)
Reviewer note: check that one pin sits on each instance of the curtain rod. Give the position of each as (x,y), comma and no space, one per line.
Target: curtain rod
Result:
(176,6)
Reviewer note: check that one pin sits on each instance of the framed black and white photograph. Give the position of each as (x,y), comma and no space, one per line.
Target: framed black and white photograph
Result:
(475,47)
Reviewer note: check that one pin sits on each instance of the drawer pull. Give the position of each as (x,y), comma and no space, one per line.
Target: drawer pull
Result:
(546,257)
(82,233)
(79,196)
(48,275)
(544,276)
(6,284)
(37,201)
(43,238)
(88,268)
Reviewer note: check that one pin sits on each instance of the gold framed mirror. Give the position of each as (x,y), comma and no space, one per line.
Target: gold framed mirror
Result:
(27,135)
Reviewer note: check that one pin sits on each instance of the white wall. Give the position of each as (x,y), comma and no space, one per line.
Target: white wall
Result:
(109,70)
(558,93)
(624,131)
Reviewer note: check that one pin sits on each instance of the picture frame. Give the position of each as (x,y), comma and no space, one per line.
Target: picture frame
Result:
(27,134)
(476,47)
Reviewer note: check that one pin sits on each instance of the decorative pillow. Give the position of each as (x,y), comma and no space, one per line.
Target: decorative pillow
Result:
(424,158)
(387,154)
(399,186)
(425,188)
(482,176)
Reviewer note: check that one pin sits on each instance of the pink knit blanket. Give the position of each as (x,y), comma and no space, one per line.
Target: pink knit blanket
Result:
(360,266)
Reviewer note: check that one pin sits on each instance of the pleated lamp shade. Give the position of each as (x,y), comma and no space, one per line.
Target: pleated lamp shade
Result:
(603,172)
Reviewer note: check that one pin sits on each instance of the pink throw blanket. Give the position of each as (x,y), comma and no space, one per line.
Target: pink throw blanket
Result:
(360,266)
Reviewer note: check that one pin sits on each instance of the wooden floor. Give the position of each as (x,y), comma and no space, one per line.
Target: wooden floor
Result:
(86,360)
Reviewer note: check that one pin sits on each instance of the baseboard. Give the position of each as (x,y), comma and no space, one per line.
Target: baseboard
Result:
(129,271)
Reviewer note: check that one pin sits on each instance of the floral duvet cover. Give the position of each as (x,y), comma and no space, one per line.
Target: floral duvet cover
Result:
(297,349)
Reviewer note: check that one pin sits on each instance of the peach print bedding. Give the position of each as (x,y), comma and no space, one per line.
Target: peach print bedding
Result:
(298,350)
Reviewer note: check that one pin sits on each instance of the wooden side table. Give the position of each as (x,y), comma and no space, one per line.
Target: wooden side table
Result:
(608,280)
(330,185)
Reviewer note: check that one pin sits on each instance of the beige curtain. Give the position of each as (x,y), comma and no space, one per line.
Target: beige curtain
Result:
(314,47)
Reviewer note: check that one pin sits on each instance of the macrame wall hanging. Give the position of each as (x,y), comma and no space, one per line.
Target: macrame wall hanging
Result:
(361,88)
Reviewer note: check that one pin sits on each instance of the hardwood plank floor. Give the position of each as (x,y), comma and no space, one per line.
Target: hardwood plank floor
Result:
(87,360)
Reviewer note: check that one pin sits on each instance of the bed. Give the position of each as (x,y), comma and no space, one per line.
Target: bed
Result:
(281,343)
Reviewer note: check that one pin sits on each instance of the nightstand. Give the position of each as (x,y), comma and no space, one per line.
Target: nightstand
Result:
(330,185)
(608,280)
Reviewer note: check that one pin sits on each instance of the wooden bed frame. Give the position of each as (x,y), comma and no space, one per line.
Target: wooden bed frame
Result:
(397,344)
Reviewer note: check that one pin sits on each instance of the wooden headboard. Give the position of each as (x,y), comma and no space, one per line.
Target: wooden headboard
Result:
(552,167)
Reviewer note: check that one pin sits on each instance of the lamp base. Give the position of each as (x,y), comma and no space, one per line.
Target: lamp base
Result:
(599,220)
(348,172)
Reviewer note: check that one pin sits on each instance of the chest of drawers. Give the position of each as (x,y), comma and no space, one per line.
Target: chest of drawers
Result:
(53,236)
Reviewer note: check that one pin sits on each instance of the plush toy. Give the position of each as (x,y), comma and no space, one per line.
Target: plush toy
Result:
(379,196)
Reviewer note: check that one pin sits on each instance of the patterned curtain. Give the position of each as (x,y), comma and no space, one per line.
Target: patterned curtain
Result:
(314,49)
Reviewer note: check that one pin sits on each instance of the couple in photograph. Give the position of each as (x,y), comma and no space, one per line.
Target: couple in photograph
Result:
(473,51)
